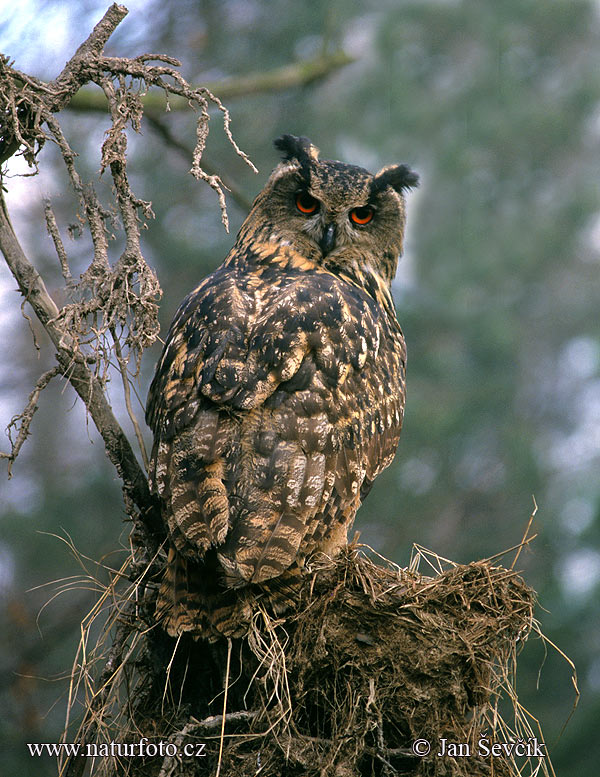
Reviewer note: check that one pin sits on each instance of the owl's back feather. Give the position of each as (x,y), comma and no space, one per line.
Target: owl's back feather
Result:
(277,401)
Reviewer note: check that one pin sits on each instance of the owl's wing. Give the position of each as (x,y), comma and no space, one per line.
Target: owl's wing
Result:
(271,418)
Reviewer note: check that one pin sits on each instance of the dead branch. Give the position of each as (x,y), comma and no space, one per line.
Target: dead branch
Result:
(186,151)
(112,309)
(287,77)
(72,365)
(59,246)
(82,65)
(25,418)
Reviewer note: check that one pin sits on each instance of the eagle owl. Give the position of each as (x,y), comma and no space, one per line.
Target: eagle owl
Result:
(279,395)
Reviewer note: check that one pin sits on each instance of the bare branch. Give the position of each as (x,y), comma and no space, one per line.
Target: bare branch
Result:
(59,247)
(172,82)
(72,365)
(287,77)
(25,418)
(77,70)
(30,282)
(186,152)
(109,298)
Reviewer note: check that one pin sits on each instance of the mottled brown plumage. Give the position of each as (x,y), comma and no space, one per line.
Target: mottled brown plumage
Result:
(279,395)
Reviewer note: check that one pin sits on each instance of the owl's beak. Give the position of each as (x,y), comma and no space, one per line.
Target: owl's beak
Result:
(327,242)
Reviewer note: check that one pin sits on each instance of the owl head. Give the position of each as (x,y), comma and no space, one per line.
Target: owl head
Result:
(333,212)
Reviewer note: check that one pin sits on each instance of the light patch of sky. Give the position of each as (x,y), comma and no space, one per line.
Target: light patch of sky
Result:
(580,448)
(41,35)
(580,573)
(406,278)
(576,376)
(577,515)
(360,37)
(22,192)
(35,28)
(418,474)
(593,237)
(593,677)
(581,357)
(22,494)
(7,569)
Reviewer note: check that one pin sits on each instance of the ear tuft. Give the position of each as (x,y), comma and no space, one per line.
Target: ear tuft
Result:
(399,177)
(297,148)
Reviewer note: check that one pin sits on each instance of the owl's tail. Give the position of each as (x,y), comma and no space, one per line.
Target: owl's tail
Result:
(192,599)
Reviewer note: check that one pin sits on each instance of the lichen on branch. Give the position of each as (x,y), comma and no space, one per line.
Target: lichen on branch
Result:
(111,311)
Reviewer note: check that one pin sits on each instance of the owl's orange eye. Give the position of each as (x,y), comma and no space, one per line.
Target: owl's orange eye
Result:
(306,203)
(361,216)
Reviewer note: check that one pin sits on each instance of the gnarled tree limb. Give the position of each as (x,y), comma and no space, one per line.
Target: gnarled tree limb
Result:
(38,101)
(76,71)
(110,298)
(286,77)
(72,364)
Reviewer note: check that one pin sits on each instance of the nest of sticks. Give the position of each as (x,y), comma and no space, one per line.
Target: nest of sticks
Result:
(373,659)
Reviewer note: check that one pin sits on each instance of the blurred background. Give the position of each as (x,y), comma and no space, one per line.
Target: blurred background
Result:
(497,106)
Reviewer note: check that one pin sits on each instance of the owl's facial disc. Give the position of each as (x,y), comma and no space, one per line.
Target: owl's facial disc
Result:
(331,228)
(334,212)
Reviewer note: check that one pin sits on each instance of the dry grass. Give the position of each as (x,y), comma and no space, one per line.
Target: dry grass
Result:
(373,658)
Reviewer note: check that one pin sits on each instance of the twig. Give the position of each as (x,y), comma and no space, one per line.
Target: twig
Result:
(186,152)
(72,365)
(59,247)
(524,541)
(287,77)
(26,417)
(215,722)
(76,72)
(225,695)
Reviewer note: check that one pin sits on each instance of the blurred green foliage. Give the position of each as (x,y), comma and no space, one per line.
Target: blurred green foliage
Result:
(497,105)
